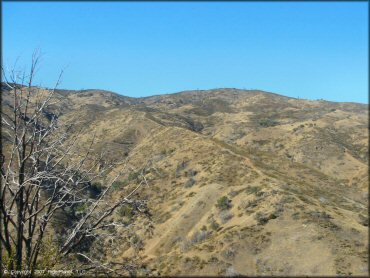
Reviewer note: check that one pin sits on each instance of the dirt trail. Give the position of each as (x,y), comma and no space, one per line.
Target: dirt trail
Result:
(236,151)
(184,220)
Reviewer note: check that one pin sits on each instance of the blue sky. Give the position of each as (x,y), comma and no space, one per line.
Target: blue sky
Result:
(309,50)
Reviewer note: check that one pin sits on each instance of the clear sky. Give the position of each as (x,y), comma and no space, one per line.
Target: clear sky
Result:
(309,50)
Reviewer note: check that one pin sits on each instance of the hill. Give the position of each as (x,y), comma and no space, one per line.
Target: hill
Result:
(240,181)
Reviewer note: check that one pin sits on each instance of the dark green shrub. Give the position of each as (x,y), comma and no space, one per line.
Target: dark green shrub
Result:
(191,194)
(268,122)
(260,218)
(214,226)
(95,189)
(223,203)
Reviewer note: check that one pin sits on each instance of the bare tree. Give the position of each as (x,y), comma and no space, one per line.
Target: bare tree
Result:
(43,172)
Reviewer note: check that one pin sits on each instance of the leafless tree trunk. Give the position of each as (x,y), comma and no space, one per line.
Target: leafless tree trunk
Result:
(42,172)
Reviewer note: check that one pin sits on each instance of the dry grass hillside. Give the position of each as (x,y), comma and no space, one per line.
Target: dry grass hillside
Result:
(240,181)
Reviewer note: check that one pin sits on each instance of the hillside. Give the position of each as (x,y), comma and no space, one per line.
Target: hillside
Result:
(240,181)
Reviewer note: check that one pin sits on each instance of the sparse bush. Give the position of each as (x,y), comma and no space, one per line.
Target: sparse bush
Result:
(252,189)
(191,194)
(199,236)
(233,193)
(287,199)
(134,175)
(180,167)
(228,253)
(295,216)
(214,225)
(177,239)
(125,211)
(185,245)
(223,203)
(279,209)
(268,123)
(191,173)
(230,271)
(262,218)
(364,220)
(136,242)
(189,183)
(213,259)
(225,216)
(320,215)
(248,204)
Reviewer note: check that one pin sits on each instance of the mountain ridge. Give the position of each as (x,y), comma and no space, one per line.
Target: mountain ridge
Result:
(249,183)
(190,91)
